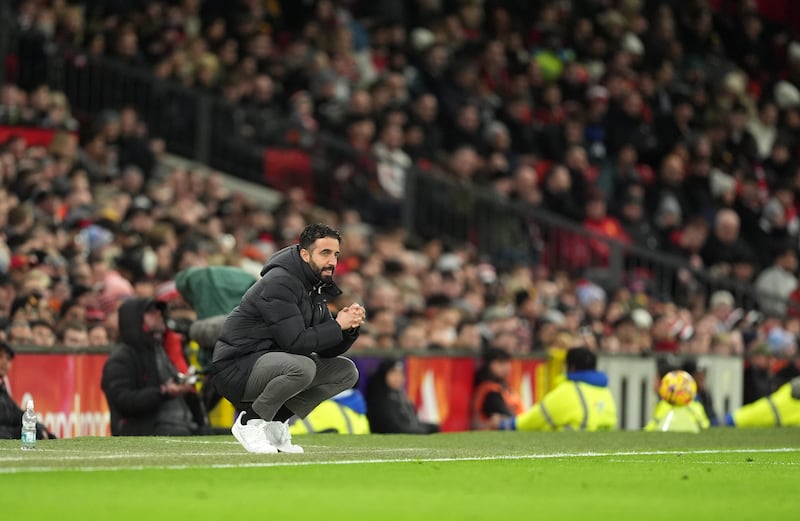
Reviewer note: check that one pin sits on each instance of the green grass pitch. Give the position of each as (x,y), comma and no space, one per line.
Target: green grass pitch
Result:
(721,474)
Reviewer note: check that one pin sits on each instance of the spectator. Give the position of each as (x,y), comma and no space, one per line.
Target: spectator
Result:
(19,332)
(10,413)
(140,382)
(98,336)
(633,218)
(42,334)
(604,225)
(493,400)
(764,127)
(777,282)
(388,408)
(74,334)
(724,243)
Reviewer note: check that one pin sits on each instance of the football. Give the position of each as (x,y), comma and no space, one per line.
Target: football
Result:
(677,388)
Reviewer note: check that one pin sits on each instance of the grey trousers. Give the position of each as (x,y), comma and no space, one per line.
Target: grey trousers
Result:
(299,382)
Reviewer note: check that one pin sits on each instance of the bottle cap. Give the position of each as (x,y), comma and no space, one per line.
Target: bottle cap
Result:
(30,404)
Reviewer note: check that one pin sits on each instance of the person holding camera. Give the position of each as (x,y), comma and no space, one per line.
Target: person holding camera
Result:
(146,394)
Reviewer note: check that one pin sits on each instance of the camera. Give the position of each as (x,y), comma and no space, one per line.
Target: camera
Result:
(190,378)
(179,325)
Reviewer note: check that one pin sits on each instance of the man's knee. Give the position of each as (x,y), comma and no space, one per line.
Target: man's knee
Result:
(347,371)
(304,369)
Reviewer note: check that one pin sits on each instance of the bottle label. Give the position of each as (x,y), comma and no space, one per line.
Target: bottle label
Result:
(29,437)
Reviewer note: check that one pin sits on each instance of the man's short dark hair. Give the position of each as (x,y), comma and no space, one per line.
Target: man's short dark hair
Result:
(495,354)
(581,359)
(312,232)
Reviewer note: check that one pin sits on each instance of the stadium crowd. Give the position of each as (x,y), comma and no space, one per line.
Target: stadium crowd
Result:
(661,123)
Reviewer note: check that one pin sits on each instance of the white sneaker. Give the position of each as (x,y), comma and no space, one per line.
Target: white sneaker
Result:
(252,436)
(277,434)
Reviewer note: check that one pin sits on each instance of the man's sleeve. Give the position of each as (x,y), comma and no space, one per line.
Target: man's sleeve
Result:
(548,414)
(494,403)
(119,385)
(348,339)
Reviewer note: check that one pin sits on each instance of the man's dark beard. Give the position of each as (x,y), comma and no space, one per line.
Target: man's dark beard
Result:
(318,271)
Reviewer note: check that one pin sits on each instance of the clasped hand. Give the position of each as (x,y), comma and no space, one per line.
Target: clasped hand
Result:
(352,316)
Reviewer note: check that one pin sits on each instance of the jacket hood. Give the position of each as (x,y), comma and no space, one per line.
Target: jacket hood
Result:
(376,385)
(131,315)
(289,259)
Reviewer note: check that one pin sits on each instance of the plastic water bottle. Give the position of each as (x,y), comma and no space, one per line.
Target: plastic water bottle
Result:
(29,428)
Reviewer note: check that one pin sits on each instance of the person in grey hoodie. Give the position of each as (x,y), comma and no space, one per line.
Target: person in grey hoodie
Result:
(775,284)
(278,353)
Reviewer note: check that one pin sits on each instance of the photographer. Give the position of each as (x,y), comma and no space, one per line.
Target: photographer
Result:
(146,394)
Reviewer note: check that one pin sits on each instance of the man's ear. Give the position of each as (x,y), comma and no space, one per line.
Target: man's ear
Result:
(305,255)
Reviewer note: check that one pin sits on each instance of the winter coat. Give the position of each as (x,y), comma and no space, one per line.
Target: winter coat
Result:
(286,310)
(389,410)
(131,380)
(11,418)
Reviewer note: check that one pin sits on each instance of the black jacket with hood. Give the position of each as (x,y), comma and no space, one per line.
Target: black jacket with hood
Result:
(131,380)
(286,310)
(389,410)
(11,419)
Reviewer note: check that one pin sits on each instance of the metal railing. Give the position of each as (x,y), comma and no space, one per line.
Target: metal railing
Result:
(206,128)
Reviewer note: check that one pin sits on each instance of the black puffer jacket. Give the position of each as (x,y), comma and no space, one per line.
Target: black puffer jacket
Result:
(286,310)
(130,376)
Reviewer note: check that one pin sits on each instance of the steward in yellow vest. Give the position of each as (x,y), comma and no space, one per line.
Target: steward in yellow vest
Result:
(580,402)
(678,418)
(779,409)
(345,413)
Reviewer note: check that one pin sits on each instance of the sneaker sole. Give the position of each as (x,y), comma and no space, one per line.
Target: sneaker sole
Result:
(298,450)
(241,442)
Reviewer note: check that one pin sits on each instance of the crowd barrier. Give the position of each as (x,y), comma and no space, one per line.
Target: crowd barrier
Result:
(68,398)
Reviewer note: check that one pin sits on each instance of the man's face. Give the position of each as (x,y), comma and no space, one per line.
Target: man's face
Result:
(153,321)
(98,336)
(5,363)
(43,336)
(322,257)
(501,368)
(76,338)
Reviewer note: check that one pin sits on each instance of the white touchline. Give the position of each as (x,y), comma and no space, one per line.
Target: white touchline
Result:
(14,470)
(704,462)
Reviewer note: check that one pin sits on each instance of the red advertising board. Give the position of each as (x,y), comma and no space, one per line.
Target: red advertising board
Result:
(69,400)
(529,380)
(66,391)
(441,388)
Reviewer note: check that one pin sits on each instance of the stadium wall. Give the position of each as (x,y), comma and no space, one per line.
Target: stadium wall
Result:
(66,387)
